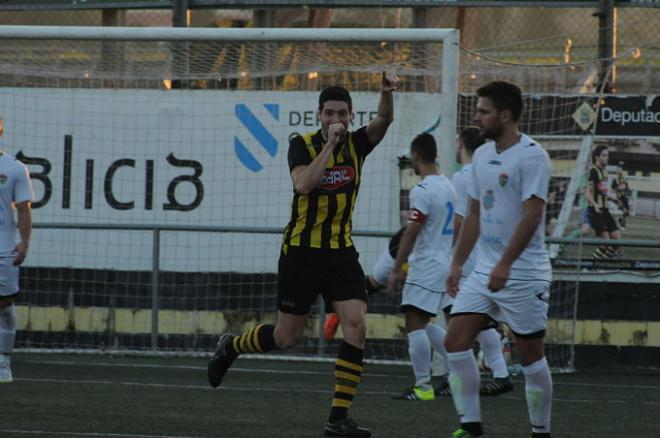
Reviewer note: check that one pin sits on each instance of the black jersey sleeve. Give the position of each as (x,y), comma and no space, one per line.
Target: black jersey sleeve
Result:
(298,154)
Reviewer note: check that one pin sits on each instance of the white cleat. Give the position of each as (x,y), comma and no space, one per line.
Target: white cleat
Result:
(5,369)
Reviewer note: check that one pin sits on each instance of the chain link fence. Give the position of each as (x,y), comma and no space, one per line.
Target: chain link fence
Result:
(520,35)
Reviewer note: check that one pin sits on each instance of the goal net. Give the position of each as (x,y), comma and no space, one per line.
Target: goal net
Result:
(159,161)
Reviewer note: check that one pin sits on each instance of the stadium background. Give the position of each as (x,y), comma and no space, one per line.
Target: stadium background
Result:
(620,318)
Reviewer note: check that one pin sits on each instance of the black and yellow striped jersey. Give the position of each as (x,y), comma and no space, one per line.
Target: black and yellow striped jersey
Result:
(323,218)
(598,177)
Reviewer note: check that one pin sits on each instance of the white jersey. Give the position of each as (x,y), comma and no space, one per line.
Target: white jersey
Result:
(15,186)
(501,183)
(432,204)
(460,181)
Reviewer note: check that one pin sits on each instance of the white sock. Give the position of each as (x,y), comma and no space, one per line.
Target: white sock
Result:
(436,336)
(538,391)
(419,349)
(491,345)
(464,383)
(7,329)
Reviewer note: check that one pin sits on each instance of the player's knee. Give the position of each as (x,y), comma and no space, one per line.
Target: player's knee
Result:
(286,338)
(354,328)
(454,342)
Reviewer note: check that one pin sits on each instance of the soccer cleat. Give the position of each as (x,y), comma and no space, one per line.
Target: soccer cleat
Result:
(416,393)
(443,389)
(462,433)
(220,362)
(345,427)
(5,369)
(330,326)
(497,386)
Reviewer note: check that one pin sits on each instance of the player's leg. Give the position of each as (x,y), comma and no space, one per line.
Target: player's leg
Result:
(596,221)
(373,283)
(538,383)
(472,311)
(437,331)
(491,344)
(298,273)
(419,349)
(7,337)
(344,290)
(524,306)
(8,294)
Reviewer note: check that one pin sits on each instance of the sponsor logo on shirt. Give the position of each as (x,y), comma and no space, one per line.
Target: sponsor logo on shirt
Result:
(337,177)
(3,179)
(504,178)
(495,162)
(489,199)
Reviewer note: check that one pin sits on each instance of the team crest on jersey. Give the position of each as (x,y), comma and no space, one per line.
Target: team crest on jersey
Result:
(337,177)
(489,199)
(504,178)
(3,179)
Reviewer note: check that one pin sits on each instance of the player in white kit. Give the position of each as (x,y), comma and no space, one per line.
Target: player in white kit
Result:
(511,280)
(490,343)
(426,246)
(15,193)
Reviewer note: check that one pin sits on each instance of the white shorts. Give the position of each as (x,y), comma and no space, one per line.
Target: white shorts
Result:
(429,301)
(384,265)
(8,277)
(522,304)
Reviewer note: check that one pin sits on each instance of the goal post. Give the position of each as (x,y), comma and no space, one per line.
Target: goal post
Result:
(169,201)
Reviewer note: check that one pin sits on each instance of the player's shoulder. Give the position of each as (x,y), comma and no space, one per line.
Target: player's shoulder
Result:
(303,139)
(9,162)
(531,147)
(483,152)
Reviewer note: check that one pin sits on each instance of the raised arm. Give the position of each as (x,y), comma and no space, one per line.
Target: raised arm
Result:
(377,128)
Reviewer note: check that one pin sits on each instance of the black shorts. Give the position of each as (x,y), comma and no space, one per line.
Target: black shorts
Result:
(602,221)
(303,273)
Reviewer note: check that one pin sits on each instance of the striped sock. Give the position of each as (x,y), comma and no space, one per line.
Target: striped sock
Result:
(257,340)
(348,370)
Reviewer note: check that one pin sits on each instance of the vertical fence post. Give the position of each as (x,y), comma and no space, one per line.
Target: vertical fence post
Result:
(155,284)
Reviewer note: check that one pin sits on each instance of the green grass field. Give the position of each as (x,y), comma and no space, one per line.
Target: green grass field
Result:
(103,396)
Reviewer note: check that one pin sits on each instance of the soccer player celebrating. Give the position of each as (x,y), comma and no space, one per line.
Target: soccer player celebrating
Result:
(317,254)
(426,247)
(469,140)
(511,280)
(15,193)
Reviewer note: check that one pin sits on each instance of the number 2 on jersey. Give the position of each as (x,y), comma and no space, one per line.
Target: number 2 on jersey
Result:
(447,229)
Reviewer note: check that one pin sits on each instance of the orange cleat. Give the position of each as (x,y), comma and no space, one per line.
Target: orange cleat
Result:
(330,326)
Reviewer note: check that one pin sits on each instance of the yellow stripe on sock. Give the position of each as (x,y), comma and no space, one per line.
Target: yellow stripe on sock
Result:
(347,376)
(349,365)
(341,403)
(244,342)
(345,389)
(255,338)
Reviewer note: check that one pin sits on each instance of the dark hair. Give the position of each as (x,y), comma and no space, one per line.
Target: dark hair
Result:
(504,95)
(424,146)
(471,138)
(335,93)
(596,152)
